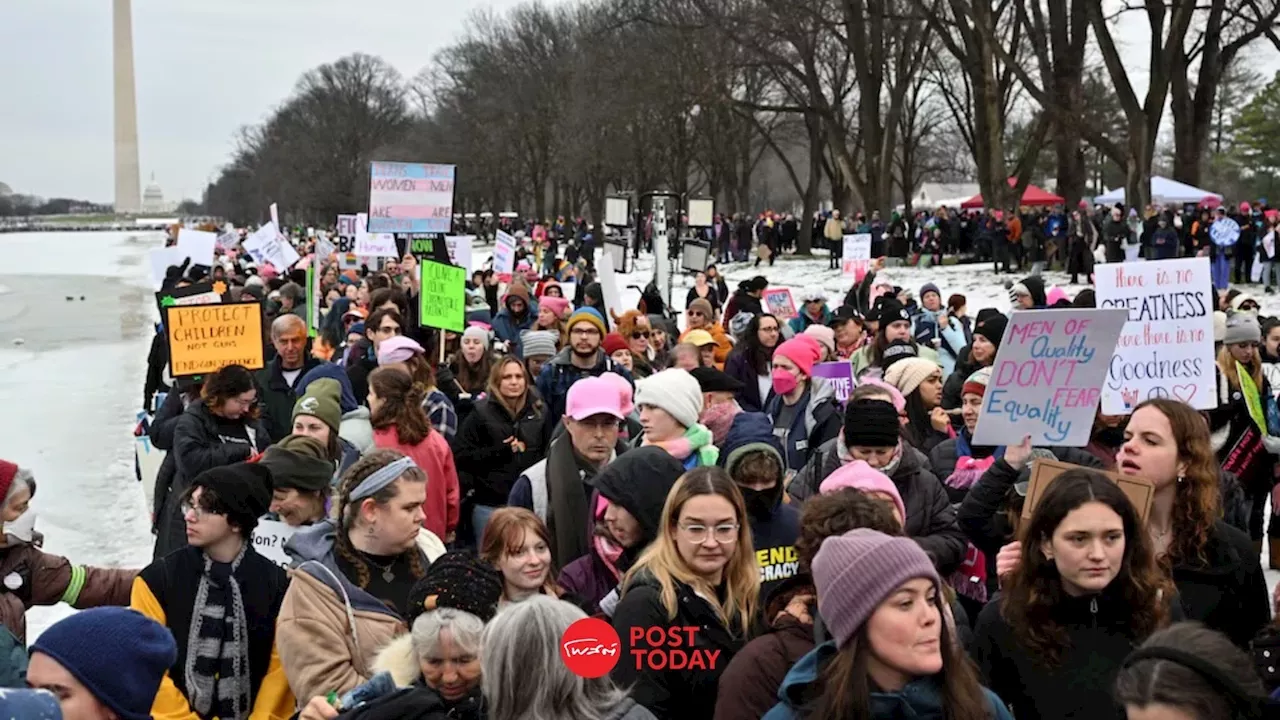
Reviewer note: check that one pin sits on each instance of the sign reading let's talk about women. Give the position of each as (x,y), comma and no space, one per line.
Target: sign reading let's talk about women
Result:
(1166,347)
(1048,376)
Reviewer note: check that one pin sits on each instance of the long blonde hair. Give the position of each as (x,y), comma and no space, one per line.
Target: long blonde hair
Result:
(1227,364)
(662,559)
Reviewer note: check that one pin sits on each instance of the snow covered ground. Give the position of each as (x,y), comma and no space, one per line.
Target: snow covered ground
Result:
(73,386)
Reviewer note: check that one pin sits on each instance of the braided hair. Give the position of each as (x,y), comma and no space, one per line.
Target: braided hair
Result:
(372,462)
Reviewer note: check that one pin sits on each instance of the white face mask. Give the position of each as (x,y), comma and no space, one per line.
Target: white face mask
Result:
(23,528)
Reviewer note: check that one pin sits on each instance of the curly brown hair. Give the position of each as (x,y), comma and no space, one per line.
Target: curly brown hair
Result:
(1035,587)
(836,513)
(372,462)
(401,406)
(1197,504)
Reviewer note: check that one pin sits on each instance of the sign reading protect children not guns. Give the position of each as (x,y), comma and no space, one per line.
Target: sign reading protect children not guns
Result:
(206,338)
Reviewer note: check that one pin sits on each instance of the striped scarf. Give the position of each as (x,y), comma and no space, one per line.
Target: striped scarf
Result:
(217,667)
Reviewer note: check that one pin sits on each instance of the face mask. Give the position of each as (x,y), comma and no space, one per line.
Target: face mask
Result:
(760,503)
(783,381)
(719,418)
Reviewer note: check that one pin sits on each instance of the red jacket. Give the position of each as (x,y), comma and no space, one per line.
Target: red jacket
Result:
(436,460)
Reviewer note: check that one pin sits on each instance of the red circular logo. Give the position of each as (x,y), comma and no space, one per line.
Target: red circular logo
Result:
(590,648)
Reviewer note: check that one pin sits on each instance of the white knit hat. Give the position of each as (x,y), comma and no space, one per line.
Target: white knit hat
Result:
(907,374)
(675,391)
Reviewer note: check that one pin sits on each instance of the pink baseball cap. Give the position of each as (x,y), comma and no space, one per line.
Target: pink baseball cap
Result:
(595,396)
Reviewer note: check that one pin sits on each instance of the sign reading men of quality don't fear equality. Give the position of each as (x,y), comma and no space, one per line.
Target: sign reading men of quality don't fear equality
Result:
(1166,347)
(1047,377)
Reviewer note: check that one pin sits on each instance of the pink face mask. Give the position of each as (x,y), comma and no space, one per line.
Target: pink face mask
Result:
(784,382)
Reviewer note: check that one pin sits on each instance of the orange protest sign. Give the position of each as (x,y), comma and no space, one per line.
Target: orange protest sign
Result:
(205,338)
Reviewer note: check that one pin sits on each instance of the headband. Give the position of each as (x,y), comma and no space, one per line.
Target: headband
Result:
(1236,697)
(385,475)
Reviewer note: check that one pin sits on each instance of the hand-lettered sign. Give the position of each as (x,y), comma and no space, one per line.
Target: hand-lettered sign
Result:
(205,338)
(504,255)
(779,303)
(205,293)
(269,538)
(1048,377)
(442,300)
(839,375)
(1166,347)
(410,197)
(430,246)
(267,245)
(1225,232)
(856,256)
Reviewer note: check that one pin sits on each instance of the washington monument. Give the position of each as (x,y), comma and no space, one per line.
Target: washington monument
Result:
(128,177)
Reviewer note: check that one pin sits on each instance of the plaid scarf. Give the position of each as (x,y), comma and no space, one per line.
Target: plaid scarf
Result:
(217,667)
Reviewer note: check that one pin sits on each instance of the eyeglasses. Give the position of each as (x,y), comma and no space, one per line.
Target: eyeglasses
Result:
(723,534)
(197,512)
(585,332)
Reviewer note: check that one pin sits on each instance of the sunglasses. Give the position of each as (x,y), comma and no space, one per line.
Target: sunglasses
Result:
(694,313)
(640,334)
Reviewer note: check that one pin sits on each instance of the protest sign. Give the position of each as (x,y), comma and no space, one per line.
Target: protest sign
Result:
(205,293)
(856,257)
(347,226)
(570,289)
(1166,347)
(313,297)
(1043,472)
(266,245)
(1225,232)
(442,301)
(459,247)
(839,375)
(227,240)
(269,538)
(149,458)
(275,216)
(376,245)
(504,255)
(161,259)
(204,338)
(1048,376)
(198,245)
(431,246)
(410,197)
(608,279)
(778,302)
(324,249)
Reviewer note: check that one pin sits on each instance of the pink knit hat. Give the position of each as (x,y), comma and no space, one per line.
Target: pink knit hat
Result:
(824,335)
(861,476)
(802,350)
(557,305)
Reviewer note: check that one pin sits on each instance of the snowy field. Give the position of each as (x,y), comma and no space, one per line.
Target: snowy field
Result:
(74,385)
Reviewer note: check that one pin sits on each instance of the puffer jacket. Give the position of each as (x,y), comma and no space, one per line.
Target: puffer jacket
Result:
(198,446)
(487,465)
(817,422)
(508,327)
(931,519)
(329,630)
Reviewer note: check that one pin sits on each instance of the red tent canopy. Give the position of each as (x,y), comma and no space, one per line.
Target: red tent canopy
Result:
(1031,196)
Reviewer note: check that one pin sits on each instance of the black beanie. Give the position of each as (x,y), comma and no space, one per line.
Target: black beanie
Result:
(891,311)
(898,350)
(458,580)
(639,481)
(243,488)
(992,329)
(871,423)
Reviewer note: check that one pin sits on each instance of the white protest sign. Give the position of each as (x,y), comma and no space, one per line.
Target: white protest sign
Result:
(324,249)
(266,245)
(228,240)
(161,259)
(275,215)
(269,538)
(198,245)
(1166,348)
(504,255)
(608,279)
(460,250)
(1224,232)
(1048,377)
(856,256)
(570,289)
(371,245)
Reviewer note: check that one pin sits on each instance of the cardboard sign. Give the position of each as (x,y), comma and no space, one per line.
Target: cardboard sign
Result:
(433,246)
(205,338)
(1048,376)
(856,257)
(840,375)
(269,538)
(1166,347)
(504,255)
(204,293)
(1043,472)
(778,302)
(459,247)
(442,301)
(410,197)
(266,245)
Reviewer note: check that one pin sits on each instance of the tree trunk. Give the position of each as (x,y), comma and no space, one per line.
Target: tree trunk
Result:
(804,243)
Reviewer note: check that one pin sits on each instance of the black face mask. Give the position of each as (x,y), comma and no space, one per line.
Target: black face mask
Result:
(1110,436)
(761,503)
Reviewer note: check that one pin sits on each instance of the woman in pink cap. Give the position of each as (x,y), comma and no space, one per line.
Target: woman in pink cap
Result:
(801,406)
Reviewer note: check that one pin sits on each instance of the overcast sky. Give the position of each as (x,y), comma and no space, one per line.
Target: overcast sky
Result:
(203,69)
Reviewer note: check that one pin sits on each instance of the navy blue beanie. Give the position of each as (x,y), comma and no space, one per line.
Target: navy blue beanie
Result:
(118,654)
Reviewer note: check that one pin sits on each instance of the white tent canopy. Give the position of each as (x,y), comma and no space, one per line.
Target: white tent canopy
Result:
(1163,191)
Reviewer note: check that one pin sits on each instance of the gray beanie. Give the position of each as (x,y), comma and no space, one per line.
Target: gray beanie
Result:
(675,391)
(1242,327)
(856,571)
(535,343)
(477,332)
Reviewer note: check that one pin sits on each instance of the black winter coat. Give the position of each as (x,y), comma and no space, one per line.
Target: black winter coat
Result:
(276,397)
(198,446)
(931,519)
(1229,592)
(486,464)
(1080,685)
(673,693)
(161,435)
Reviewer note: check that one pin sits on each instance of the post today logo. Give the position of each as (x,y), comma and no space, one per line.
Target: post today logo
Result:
(591,648)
